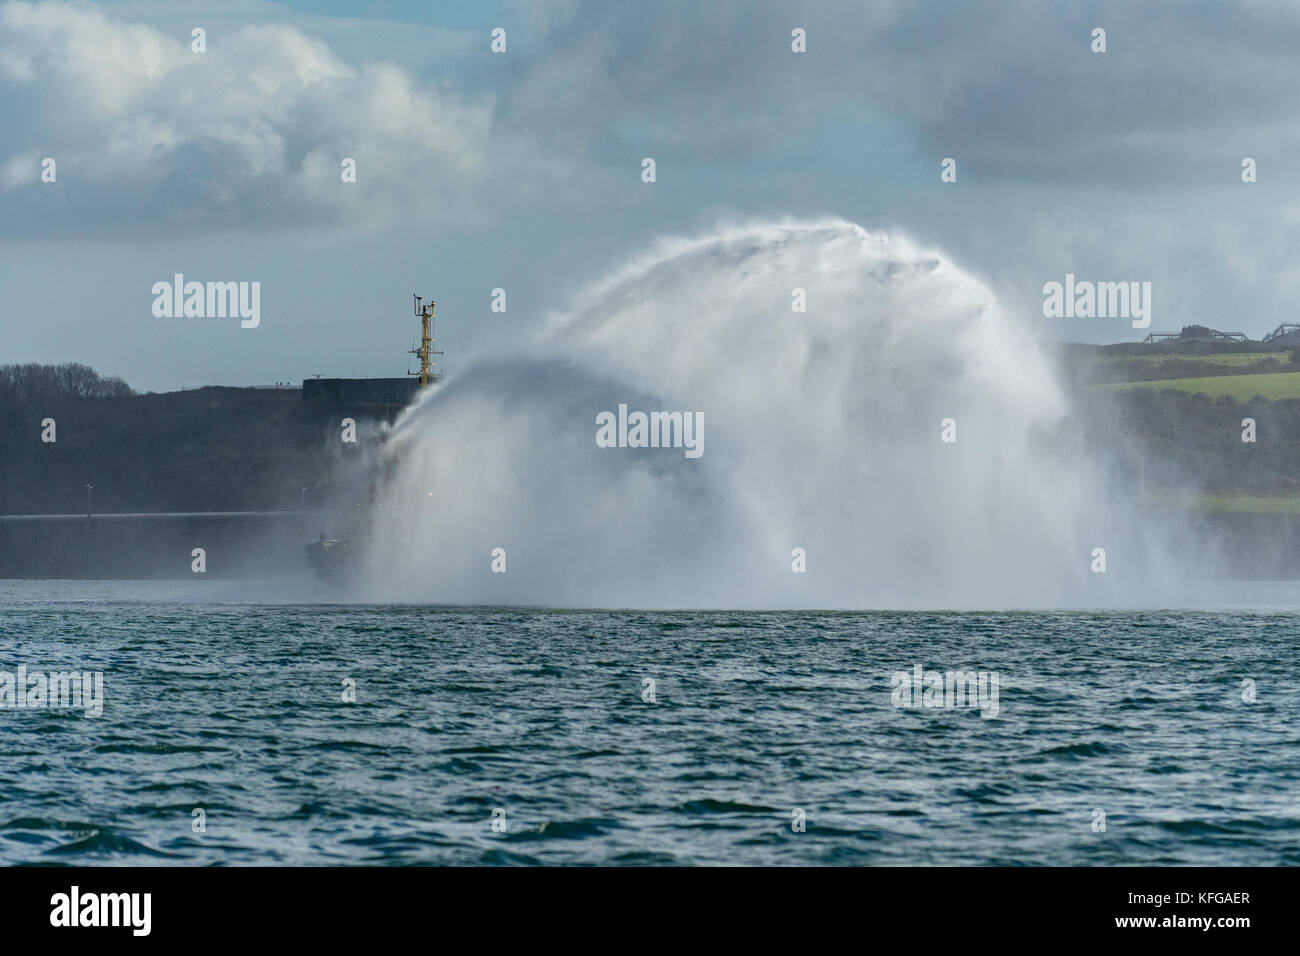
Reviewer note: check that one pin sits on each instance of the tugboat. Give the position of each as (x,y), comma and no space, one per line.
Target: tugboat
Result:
(332,559)
(337,560)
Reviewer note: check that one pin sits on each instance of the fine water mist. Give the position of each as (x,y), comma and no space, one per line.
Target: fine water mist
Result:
(822,431)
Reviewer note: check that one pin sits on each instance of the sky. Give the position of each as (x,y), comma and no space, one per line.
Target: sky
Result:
(522,170)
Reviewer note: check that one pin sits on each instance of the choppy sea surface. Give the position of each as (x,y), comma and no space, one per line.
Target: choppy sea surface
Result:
(1120,738)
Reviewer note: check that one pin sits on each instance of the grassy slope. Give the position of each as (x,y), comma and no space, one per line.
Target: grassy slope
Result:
(1252,504)
(1241,388)
(1233,359)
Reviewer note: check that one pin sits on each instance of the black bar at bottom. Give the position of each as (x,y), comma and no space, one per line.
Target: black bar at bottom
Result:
(333,906)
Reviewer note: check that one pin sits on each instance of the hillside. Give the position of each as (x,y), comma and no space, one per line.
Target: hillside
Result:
(203,449)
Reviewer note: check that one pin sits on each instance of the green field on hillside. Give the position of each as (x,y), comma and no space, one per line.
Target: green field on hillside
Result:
(1254,505)
(1241,388)
(1228,359)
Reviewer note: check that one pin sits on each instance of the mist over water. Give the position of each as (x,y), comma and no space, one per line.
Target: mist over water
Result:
(821,432)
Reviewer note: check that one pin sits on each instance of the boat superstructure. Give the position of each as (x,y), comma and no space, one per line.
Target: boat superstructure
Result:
(335,560)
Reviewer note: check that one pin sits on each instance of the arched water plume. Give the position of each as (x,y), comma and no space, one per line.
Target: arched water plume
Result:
(821,431)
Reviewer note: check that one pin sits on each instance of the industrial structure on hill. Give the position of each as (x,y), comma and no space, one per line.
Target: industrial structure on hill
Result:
(1202,338)
(382,396)
(360,391)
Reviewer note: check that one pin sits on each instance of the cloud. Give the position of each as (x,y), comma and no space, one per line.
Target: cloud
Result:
(149,136)
(1115,164)
(1013,90)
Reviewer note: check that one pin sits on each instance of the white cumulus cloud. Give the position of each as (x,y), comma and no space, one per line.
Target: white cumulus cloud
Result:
(148,134)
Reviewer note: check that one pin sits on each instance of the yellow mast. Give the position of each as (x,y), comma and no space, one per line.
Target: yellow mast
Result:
(426,351)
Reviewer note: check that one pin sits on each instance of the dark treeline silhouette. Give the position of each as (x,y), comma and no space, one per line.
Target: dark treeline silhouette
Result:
(32,383)
(203,449)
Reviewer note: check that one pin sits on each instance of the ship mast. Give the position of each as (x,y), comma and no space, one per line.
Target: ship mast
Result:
(426,351)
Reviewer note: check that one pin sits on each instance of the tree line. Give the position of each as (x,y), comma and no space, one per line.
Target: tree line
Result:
(32,383)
